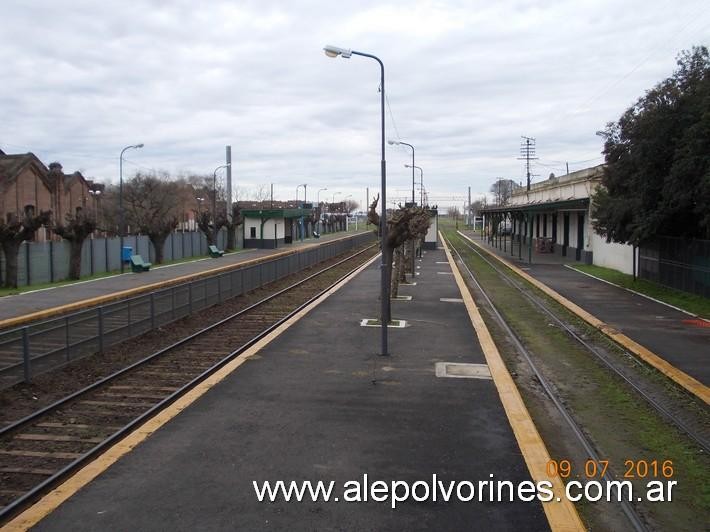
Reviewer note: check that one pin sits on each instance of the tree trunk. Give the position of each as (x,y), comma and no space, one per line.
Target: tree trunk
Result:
(159,247)
(75,258)
(11,249)
(231,238)
(388,275)
(394,279)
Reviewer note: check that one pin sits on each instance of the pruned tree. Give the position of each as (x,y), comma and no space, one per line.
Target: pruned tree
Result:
(209,225)
(656,178)
(231,223)
(75,230)
(502,190)
(350,206)
(152,204)
(13,232)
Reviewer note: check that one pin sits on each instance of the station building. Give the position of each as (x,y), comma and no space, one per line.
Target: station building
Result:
(271,228)
(555,216)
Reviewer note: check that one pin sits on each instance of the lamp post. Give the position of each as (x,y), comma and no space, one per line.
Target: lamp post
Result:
(318,207)
(397,143)
(334,51)
(214,192)
(421,180)
(120,198)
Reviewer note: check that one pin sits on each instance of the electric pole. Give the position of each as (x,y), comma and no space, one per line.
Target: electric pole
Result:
(527,154)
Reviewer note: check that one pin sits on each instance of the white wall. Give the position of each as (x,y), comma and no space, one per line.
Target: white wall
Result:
(612,255)
(268,227)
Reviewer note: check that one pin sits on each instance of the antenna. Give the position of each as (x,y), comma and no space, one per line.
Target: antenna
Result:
(527,154)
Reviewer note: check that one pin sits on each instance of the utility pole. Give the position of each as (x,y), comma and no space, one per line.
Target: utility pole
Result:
(468,213)
(527,154)
(229,183)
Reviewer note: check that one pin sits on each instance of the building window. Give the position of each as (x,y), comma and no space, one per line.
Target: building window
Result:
(252,232)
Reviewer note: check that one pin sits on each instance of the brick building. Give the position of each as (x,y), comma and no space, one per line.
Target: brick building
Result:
(27,184)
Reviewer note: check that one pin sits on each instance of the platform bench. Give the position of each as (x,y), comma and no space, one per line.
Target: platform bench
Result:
(139,265)
(214,252)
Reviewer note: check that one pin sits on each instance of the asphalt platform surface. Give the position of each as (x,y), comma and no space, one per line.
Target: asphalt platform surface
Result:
(306,408)
(33,301)
(671,334)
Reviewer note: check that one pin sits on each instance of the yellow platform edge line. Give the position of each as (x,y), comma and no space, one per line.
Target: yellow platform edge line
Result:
(561,515)
(122,294)
(689,383)
(50,502)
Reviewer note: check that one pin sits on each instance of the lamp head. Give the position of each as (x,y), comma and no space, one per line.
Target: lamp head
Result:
(138,145)
(407,165)
(334,51)
(392,142)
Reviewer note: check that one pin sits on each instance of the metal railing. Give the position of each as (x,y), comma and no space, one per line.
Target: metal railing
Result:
(35,348)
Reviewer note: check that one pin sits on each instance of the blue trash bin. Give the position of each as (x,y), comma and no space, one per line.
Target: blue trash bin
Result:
(126,253)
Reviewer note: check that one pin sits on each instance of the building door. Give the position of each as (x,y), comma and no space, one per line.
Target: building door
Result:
(565,233)
(580,235)
(554,228)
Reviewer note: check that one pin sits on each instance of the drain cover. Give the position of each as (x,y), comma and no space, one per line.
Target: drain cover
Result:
(462,371)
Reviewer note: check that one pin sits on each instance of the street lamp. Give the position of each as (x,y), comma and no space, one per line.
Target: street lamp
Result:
(214,191)
(421,180)
(334,194)
(397,143)
(334,51)
(120,197)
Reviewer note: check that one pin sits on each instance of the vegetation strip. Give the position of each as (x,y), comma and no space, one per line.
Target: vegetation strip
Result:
(561,515)
(86,303)
(683,379)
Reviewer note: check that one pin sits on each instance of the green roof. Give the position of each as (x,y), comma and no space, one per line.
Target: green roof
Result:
(275,213)
(569,204)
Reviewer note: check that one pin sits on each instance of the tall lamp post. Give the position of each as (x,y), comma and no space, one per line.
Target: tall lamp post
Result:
(318,207)
(214,193)
(421,181)
(397,143)
(334,51)
(121,221)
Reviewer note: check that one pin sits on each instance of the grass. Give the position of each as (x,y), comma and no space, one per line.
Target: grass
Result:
(690,302)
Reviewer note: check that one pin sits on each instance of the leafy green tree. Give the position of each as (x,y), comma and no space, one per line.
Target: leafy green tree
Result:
(657,175)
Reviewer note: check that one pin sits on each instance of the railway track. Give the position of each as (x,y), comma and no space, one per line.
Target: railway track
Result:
(633,517)
(42,449)
(697,434)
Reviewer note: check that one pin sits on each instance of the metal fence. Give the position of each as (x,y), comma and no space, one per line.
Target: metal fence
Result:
(679,263)
(29,350)
(48,262)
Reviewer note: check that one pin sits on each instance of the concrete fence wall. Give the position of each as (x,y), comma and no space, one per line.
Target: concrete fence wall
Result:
(47,262)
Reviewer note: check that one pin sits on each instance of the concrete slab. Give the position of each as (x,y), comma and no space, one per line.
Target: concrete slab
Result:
(306,409)
(667,332)
(33,301)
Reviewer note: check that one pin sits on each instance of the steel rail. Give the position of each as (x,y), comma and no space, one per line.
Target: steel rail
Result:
(14,507)
(628,510)
(655,404)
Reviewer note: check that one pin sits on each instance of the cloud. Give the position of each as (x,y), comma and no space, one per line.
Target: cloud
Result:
(464,80)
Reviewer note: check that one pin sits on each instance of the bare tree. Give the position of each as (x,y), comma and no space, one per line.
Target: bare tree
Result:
(13,232)
(152,204)
(231,223)
(76,229)
(502,190)
(350,206)
(261,193)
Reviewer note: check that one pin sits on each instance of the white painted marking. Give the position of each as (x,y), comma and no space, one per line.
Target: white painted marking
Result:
(402,298)
(417,273)
(457,370)
(445,273)
(450,300)
(396,324)
(408,284)
(442,262)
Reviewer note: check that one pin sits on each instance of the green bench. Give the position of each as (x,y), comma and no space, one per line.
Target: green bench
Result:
(139,265)
(214,252)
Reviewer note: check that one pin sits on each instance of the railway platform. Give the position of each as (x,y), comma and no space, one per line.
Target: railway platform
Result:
(319,403)
(674,336)
(45,301)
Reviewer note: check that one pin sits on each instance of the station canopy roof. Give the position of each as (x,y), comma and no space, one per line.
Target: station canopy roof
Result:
(275,213)
(575,204)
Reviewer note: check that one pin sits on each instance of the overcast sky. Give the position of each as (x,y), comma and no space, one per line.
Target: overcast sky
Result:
(83,79)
